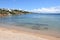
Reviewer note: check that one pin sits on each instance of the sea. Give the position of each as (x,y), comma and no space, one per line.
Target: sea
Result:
(48,23)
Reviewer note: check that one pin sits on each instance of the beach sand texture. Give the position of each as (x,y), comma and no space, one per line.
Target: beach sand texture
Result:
(12,34)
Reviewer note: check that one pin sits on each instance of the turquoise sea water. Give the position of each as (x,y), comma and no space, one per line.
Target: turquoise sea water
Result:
(34,21)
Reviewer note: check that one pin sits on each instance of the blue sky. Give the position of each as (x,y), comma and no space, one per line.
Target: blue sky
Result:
(29,4)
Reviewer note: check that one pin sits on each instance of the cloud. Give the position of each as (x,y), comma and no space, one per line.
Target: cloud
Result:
(47,10)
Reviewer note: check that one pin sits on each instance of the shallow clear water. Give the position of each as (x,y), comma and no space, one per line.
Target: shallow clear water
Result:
(34,21)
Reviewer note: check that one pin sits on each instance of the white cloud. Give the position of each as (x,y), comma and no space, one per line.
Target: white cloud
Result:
(47,10)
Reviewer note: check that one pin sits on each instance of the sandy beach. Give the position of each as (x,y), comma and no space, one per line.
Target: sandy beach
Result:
(13,34)
(6,34)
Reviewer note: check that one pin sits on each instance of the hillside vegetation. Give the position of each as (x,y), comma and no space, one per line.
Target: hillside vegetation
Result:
(5,12)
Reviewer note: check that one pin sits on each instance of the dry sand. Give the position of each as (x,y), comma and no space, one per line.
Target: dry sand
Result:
(12,34)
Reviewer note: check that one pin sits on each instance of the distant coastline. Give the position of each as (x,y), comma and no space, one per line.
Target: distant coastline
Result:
(48,13)
(6,12)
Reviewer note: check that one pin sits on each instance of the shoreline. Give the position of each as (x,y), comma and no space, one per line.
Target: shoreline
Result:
(28,31)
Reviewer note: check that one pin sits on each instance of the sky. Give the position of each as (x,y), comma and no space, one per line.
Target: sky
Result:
(32,5)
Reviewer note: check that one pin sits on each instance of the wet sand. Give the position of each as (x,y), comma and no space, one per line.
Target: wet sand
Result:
(16,34)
